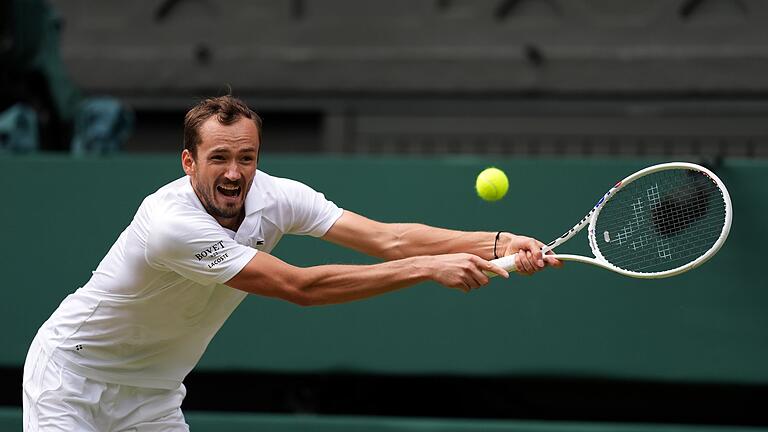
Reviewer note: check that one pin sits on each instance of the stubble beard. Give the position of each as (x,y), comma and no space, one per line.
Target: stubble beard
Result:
(216,211)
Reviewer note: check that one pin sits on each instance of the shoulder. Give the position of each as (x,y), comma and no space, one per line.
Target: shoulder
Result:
(267,182)
(281,189)
(295,207)
(175,217)
(161,204)
(174,200)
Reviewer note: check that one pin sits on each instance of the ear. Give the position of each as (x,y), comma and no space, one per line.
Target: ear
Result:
(188,162)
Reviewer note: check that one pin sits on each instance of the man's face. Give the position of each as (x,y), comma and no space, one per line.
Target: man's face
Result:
(223,170)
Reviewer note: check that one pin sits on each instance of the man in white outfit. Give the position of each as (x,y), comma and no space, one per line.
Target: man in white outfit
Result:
(114,354)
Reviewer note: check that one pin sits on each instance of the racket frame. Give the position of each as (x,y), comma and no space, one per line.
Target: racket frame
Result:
(508,262)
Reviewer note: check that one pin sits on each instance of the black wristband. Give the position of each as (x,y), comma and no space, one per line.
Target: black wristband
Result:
(495,242)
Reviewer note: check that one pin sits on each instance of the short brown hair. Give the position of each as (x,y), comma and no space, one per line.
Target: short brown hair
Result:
(227,109)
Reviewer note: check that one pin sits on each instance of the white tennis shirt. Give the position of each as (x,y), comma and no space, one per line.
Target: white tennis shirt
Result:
(157,298)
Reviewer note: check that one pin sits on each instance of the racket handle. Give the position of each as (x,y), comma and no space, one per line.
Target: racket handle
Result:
(505,262)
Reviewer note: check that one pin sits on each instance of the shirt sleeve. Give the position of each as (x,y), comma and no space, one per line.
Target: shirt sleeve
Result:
(196,247)
(308,211)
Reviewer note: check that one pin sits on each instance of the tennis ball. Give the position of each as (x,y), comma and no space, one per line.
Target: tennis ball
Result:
(492,184)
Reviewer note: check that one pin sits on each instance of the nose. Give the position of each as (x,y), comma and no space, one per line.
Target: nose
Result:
(233,173)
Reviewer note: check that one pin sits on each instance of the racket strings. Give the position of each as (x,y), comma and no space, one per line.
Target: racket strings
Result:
(661,221)
(668,256)
(669,252)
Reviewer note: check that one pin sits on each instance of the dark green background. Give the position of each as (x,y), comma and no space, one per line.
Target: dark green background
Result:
(60,215)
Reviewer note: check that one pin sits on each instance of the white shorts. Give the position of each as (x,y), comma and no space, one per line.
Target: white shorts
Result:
(57,399)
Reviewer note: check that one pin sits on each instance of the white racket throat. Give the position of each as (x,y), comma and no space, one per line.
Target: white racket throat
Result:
(657,220)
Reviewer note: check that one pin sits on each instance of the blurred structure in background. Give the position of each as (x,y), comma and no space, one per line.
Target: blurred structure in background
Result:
(40,107)
(102,125)
(514,77)
(19,129)
(32,77)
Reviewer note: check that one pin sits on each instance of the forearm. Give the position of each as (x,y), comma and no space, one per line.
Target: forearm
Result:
(327,284)
(269,276)
(392,241)
(330,284)
(417,239)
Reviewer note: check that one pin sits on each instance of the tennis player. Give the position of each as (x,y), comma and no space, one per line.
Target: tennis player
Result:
(114,354)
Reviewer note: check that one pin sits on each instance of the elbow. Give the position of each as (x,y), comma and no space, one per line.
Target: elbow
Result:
(392,247)
(301,299)
(303,295)
(393,254)
(381,240)
(308,300)
(310,287)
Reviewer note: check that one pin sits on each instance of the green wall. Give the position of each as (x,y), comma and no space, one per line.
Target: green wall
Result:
(60,216)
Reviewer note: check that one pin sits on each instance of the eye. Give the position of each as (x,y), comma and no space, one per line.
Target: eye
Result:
(217,158)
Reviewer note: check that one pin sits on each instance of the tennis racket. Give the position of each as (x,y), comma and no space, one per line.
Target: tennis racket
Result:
(660,221)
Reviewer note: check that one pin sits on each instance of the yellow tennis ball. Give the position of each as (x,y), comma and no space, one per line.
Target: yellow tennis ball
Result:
(492,184)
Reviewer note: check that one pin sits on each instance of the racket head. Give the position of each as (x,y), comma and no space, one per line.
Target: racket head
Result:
(661,221)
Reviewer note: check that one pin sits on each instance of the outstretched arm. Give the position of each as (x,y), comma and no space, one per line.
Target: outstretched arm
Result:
(392,241)
(327,284)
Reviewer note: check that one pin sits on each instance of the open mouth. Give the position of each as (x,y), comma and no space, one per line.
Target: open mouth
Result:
(229,190)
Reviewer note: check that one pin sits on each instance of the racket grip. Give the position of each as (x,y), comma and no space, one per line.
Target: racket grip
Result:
(505,262)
